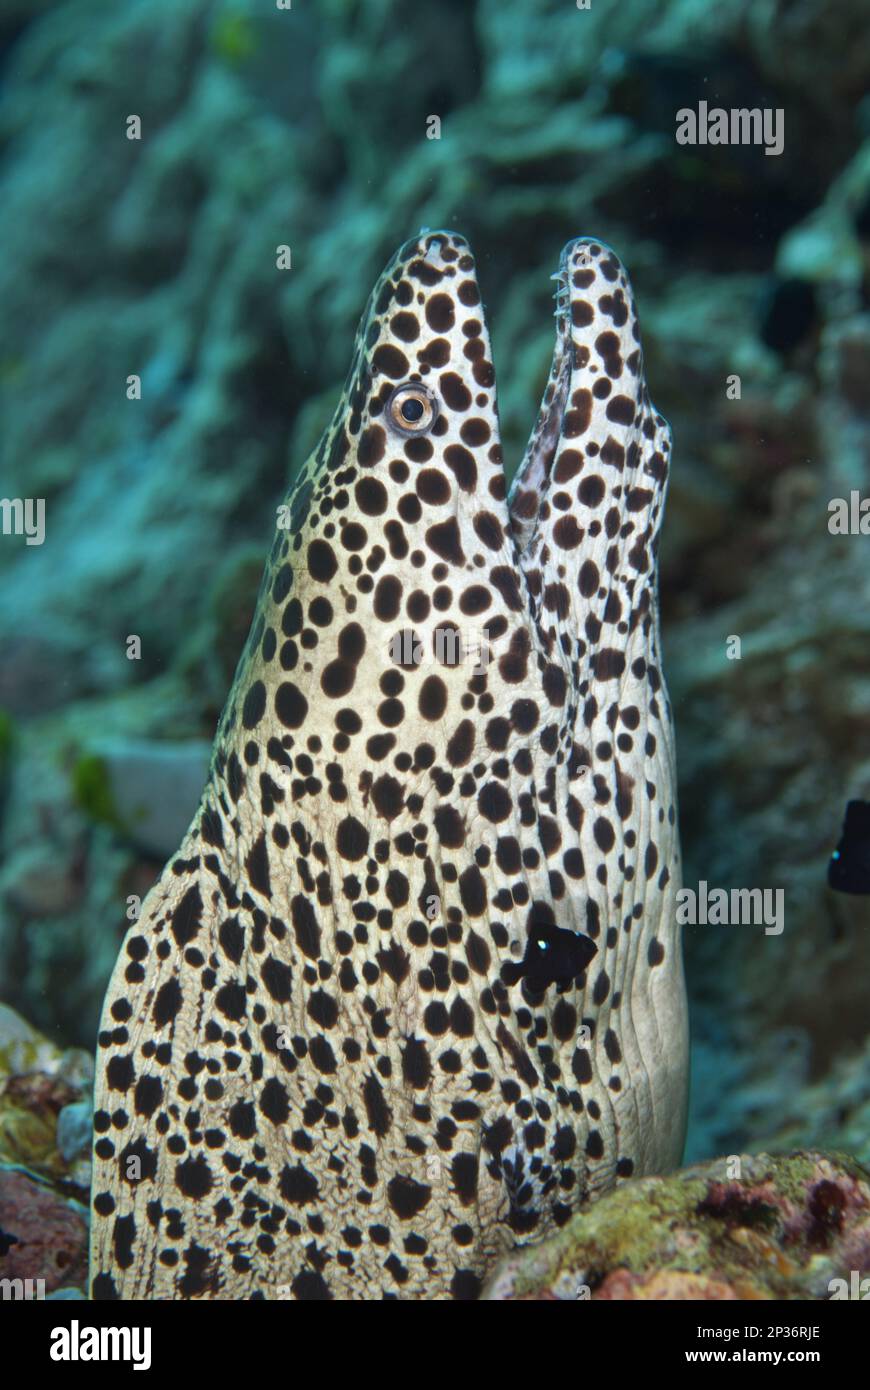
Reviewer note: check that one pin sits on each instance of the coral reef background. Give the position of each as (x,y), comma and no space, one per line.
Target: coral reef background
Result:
(157,257)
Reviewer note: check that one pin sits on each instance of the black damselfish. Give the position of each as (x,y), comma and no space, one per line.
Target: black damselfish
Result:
(553,956)
(849,867)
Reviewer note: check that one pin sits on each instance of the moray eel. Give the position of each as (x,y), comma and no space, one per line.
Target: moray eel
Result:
(328,1065)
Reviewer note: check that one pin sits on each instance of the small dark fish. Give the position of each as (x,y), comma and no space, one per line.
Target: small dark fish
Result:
(849,867)
(6,1241)
(554,956)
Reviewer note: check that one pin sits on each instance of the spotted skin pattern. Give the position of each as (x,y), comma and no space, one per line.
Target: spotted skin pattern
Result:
(319,1071)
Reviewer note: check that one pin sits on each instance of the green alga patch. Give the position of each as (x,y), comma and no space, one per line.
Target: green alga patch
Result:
(92,789)
(7,739)
(233,37)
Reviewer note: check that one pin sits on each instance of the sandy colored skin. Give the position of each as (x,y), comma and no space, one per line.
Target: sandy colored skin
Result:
(318,1075)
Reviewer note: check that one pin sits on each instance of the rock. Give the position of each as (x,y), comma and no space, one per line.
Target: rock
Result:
(834,1112)
(51,1234)
(148,791)
(30,660)
(784,1229)
(826,246)
(45,1106)
(28,1135)
(38,882)
(68,869)
(74,1129)
(24,1050)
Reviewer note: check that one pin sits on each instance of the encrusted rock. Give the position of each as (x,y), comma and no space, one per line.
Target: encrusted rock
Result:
(46,1235)
(784,1228)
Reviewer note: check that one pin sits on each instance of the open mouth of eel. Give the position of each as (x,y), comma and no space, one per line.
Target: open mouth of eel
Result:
(536,466)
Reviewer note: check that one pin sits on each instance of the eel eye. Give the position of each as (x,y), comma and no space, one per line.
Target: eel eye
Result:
(412,408)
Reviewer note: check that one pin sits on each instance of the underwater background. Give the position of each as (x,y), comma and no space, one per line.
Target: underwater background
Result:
(158,257)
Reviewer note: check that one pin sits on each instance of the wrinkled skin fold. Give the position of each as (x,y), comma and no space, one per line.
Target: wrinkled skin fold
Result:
(321,1072)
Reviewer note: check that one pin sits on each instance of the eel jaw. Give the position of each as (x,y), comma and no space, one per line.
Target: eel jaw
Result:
(529,483)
